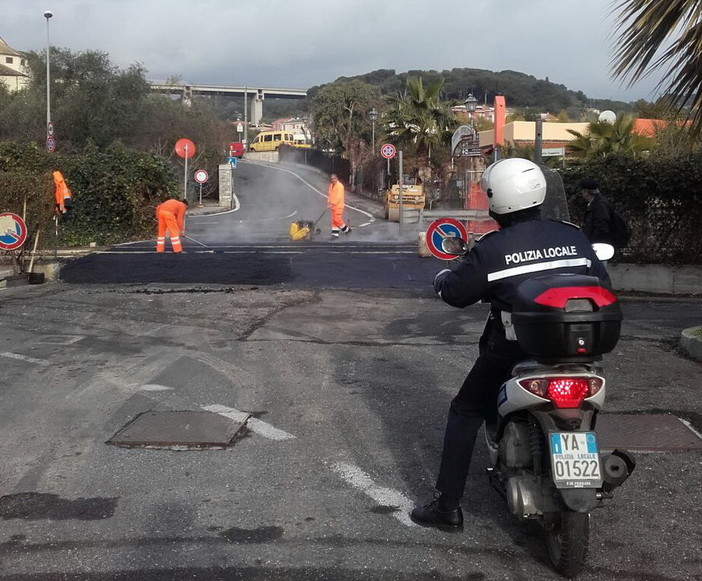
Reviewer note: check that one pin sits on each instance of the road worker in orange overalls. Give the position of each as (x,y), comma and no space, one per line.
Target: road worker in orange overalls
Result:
(171,218)
(335,201)
(62,195)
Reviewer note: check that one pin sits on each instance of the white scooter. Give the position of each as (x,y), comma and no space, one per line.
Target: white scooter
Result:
(543,448)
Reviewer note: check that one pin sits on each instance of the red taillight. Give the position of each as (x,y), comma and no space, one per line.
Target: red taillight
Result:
(567,392)
(558,297)
(564,392)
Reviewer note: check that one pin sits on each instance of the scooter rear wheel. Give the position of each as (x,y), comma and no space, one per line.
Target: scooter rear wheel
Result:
(568,541)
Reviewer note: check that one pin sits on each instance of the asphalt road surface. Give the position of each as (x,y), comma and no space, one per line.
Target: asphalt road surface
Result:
(345,361)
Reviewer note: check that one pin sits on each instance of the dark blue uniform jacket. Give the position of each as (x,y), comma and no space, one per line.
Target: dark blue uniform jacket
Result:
(501,260)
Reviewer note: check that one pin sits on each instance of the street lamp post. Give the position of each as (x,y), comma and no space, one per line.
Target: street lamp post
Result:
(373,115)
(470,103)
(48,14)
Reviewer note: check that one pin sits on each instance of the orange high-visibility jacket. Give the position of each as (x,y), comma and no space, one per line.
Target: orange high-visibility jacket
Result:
(175,207)
(62,194)
(335,195)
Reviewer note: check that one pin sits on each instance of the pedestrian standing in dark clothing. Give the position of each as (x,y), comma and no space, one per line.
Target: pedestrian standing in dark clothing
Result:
(525,247)
(597,221)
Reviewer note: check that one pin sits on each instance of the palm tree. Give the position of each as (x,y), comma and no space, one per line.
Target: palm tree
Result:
(419,119)
(645,27)
(604,138)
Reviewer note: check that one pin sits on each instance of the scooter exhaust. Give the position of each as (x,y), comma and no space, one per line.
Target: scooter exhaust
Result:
(616,468)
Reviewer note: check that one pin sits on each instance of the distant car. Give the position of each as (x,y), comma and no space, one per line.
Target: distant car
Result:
(236,149)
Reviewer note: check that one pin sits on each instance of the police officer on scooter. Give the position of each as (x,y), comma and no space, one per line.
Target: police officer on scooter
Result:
(526,246)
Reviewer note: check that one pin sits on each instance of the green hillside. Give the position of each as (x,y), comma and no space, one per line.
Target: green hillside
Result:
(520,90)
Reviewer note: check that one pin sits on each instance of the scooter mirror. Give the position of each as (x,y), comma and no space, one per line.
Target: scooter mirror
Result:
(603,251)
(454,245)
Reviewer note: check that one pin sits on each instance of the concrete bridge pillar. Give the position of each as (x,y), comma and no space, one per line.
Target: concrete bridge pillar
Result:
(257,107)
(187,97)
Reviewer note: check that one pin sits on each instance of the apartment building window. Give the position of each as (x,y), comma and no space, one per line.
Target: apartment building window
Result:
(8,60)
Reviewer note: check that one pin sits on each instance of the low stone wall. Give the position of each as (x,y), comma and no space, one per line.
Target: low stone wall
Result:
(657,278)
(268,156)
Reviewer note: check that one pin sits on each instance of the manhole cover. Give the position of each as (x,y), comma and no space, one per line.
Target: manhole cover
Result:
(646,433)
(178,430)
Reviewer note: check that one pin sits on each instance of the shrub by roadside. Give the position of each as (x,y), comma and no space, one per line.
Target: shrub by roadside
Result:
(114,191)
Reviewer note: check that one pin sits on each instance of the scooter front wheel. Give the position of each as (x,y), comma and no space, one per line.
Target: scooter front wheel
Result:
(568,541)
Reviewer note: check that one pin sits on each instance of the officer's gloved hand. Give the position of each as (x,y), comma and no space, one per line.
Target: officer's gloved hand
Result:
(438,279)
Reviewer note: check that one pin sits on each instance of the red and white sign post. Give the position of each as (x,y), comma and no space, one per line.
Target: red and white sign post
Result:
(388,151)
(185,149)
(13,231)
(201,176)
(444,228)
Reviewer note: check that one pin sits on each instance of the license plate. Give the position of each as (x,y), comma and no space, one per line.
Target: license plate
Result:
(575,460)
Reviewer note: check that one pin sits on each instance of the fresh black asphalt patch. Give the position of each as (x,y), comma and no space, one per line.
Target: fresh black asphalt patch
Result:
(190,268)
(340,267)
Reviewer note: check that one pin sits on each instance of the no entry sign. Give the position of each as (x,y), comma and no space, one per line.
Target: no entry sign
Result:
(13,231)
(444,228)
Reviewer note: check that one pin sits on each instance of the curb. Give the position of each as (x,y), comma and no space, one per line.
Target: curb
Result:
(691,342)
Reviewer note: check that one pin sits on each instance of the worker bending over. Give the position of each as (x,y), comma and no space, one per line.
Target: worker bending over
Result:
(171,218)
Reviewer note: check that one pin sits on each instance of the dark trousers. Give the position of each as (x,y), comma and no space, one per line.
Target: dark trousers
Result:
(475,402)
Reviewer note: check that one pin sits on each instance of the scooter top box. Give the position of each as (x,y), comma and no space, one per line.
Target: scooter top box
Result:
(566,316)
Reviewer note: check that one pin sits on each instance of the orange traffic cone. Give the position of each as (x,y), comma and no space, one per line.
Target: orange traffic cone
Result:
(478,201)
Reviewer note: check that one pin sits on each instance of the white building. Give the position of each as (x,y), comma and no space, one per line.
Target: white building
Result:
(12,68)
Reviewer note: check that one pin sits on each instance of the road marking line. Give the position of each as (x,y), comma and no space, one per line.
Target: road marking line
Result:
(255,425)
(25,358)
(156,387)
(383,496)
(309,185)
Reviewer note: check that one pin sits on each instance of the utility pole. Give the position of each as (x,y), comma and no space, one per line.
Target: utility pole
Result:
(246,117)
(50,142)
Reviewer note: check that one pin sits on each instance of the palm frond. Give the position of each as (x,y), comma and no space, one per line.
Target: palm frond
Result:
(662,35)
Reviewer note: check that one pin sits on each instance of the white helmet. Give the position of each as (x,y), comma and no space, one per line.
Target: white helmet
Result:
(513,184)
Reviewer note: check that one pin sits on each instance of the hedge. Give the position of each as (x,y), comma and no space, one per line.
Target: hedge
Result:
(661,199)
(114,192)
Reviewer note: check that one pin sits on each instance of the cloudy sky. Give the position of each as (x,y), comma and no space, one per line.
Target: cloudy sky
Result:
(302,43)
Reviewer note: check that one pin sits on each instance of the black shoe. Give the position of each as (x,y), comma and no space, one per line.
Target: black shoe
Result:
(348,230)
(432,515)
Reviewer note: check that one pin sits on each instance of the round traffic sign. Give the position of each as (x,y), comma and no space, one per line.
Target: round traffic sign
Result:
(201,176)
(50,129)
(50,144)
(13,231)
(388,151)
(444,228)
(185,148)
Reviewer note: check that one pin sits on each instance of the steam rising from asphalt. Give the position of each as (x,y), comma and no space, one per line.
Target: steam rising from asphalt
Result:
(272,197)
